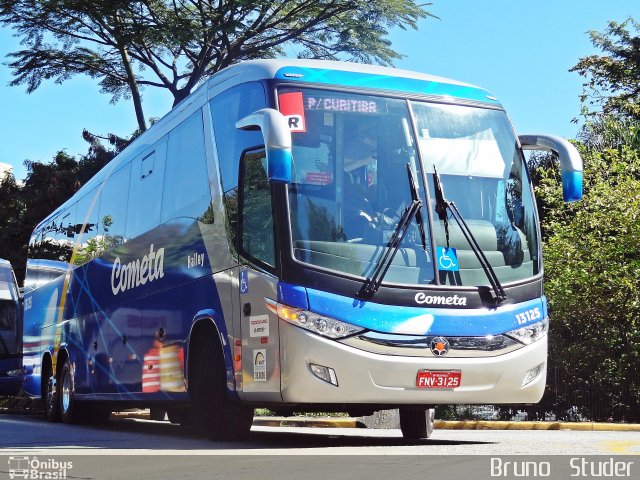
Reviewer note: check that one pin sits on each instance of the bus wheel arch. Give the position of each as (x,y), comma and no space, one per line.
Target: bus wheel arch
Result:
(213,410)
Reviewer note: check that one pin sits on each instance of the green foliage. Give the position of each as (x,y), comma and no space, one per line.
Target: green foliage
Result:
(613,79)
(12,230)
(46,187)
(174,44)
(592,272)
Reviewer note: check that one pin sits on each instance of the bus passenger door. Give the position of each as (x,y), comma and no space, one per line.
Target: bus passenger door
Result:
(256,244)
(260,337)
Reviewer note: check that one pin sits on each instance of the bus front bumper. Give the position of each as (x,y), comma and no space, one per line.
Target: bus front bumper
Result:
(371,378)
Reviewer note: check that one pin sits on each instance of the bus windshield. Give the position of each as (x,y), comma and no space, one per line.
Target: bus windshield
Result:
(350,187)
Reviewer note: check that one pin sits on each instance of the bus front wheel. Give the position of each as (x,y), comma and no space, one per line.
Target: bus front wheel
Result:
(416,423)
(219,417)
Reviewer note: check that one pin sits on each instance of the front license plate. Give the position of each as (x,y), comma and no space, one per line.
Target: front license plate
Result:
(438,379)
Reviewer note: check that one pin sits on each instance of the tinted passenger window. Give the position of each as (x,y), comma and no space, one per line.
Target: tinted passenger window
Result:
(86,228)
(186,180)
(145,197)
(113,209)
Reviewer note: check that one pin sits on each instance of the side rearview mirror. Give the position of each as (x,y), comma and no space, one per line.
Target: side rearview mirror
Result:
(570,161)
(277,141)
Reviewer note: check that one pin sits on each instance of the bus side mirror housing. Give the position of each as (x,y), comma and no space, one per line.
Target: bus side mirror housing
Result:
(570,161)
(277,141)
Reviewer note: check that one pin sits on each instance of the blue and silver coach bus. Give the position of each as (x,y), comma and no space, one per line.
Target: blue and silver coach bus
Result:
(10,331)
(300,235)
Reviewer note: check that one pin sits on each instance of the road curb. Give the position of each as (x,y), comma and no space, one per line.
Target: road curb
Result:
(319,422)
(506,425)
(348,422)
(329,422)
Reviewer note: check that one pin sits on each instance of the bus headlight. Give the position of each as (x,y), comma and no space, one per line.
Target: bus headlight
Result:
(320,324)
(530,333)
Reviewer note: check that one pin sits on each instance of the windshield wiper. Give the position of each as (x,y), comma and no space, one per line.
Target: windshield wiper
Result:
(442,206)
(384,261)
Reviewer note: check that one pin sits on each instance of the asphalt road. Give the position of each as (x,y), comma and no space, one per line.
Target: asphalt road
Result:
(137,449)
(30,434)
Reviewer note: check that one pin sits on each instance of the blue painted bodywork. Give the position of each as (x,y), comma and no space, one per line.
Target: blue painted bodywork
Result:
(392,319)
(95,320)
(384,82)
(279,164)
(571,186)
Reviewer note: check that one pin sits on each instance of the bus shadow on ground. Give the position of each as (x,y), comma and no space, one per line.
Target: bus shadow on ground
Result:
(31,432)
(274,438)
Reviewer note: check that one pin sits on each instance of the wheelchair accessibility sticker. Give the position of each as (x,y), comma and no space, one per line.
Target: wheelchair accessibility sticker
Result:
(447,259)
(244,282)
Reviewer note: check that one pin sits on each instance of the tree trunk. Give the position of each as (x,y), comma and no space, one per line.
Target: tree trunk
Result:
(133,86)
(180,95)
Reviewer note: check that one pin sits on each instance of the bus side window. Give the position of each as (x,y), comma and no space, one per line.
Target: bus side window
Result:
(113,209)
(226,109)
(31,273)
(145,193)
(256,215)
(86,229)
(186,180)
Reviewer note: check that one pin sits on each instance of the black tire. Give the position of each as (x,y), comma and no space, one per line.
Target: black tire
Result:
(179,415)
(157,414)
(214,413)
(416,423)
(70,410)
(94,414)
(51,397)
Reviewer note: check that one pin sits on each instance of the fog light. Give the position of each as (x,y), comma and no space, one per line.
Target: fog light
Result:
(531,375)
(14,373)
(324,373)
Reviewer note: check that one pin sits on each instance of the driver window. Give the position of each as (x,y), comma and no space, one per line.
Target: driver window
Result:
(256,215)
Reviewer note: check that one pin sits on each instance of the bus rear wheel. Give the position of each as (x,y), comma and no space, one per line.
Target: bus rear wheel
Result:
(69,408)
(219,417)
(416,423)
(51,397)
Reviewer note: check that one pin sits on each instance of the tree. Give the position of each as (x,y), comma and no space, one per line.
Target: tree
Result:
(174,44)
(592,267)
(46,187)
(12,230)
(613,79)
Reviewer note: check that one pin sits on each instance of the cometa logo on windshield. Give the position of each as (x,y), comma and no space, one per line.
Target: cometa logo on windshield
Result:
(138,272)
(424,299)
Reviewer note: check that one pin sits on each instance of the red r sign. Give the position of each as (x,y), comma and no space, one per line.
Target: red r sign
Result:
(292,108)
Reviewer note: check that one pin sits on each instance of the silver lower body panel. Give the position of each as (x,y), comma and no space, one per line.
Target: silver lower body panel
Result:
(372,378)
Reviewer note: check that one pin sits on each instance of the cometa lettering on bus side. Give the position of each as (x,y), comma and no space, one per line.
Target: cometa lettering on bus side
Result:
(422,298)
(137,272)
